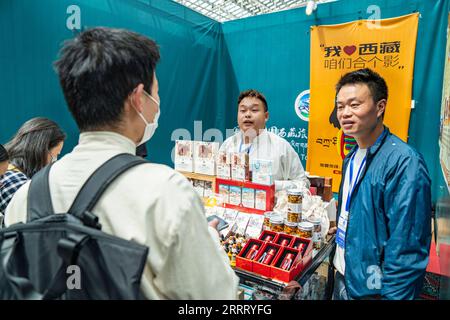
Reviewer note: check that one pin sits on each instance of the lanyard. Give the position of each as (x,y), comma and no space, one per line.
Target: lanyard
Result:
(351,187)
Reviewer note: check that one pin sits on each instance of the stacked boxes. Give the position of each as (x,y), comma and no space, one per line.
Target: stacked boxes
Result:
(184,159)
(262,172)
(205,154)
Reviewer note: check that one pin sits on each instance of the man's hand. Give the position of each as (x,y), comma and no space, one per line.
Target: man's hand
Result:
(332,230)
(213,224)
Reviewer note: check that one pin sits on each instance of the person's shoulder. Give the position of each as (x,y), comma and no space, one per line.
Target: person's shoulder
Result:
(400,149)
(13,179)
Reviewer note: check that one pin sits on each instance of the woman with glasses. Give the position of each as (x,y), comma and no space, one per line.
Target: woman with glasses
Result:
(37,143)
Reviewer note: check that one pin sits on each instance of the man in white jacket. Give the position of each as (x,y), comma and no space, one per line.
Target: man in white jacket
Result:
(109,83)
(254,139)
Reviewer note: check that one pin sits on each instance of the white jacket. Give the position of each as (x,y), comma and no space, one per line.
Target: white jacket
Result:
(152,205)
(287,168)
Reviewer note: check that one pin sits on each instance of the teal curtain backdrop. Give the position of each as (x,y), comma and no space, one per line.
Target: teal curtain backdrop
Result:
(206,64)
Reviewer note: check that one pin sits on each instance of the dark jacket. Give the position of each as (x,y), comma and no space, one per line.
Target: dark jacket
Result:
(389,228)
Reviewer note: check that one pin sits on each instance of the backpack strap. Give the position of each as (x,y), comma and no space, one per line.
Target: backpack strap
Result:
(39,202)
(39,199)
(97,183)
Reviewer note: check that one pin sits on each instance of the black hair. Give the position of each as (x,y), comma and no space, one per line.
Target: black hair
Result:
(377,85)
(254,94)
(28,149)
(3,154)
(99,69)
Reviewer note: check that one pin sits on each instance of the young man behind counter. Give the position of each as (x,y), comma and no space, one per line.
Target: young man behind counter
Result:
(254,139)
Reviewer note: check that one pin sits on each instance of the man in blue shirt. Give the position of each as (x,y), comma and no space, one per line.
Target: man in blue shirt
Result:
(384,217)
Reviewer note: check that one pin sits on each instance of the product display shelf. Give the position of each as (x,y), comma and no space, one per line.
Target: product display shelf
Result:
(281,289)
(270,194)
(202,177)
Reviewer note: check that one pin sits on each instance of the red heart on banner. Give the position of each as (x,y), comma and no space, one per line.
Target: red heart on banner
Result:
(349,50)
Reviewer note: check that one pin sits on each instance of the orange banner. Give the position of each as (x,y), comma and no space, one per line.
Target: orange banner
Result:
(386,46)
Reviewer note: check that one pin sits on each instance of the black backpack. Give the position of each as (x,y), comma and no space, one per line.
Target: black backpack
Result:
(67,256)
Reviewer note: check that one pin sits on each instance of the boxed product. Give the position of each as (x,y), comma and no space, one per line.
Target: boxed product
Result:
(205,154)
(199,187)
(224,192)
(266,256)
(240,168)
(208,191)
(248,197)
(247,255)
(224,165)
(254,226)
(184,158)
(260,199)
(230,217)
(241,222)
(235,195)
(262,171)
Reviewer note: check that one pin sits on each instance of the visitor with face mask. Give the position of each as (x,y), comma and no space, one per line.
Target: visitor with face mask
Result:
(111,88)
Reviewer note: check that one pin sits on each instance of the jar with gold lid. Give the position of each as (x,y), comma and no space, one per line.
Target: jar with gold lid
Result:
(276,223)
(305,229)
(267,215)
(295,199)
(290,227)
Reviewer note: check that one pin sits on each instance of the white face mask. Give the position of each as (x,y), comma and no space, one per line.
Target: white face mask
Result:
(150,128)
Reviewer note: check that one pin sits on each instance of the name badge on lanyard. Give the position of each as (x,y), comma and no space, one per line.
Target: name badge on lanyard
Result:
(343,218)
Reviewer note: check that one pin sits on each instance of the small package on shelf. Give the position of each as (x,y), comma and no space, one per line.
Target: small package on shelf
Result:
(230,217)
(240,167)
(224,192)
(262,171)
(248,197)
(205,154)
(199,186)
(241,222)
(254,226)
(184,159)
(235,195)
(224,165)
(208,192)
(260,200)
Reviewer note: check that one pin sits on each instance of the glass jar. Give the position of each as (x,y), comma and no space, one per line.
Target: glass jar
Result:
(276,223)
(305,229)
(295,199)
(290,227)
(316,232)
(267,215)
(293,216)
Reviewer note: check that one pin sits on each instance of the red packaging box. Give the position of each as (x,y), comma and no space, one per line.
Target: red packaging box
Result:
(263,236)
(301,261)
(284,240)
(244,263)
(265,269)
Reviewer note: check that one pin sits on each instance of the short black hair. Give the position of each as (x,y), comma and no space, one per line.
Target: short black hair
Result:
(253,94)
(3,154)
(377,85)
(99,69)
(28,149)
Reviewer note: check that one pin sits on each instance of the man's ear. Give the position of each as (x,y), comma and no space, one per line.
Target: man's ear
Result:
(266,114)
(381,107)
(136,98)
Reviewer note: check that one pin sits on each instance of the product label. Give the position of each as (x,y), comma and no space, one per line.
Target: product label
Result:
(295,207)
